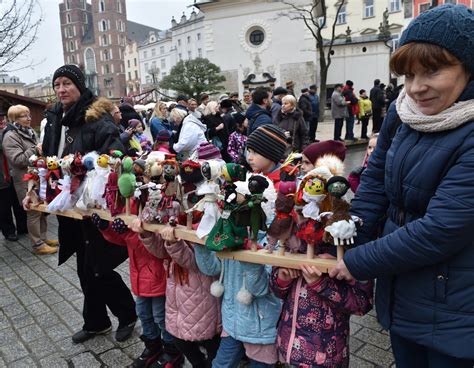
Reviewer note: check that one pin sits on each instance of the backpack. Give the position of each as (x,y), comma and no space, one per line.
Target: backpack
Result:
(252,120)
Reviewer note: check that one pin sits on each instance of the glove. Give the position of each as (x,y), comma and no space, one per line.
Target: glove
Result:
(119,226)
(97,221)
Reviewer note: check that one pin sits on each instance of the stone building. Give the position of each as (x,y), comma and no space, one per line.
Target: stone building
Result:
(11,84)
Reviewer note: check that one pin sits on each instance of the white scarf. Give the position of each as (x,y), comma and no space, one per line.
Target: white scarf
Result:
(451,118)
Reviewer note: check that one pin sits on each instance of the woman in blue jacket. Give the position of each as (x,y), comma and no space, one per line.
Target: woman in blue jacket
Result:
(417,197)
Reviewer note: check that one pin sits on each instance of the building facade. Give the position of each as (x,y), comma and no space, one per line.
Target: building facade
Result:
(11,84)
(42,90)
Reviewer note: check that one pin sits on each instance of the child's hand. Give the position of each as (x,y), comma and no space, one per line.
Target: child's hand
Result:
(168,234)
(136,226)
(287,274)
(310,273)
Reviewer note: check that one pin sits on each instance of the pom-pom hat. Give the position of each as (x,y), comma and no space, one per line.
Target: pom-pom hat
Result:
(207,151)
(448,26)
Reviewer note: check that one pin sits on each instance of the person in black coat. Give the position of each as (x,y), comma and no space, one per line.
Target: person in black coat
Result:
(378,102)
(217,131)
(128,112)
(67,132)
(304,104)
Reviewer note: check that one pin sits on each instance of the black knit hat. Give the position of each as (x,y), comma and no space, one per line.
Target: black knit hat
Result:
(268,141)
(73,73)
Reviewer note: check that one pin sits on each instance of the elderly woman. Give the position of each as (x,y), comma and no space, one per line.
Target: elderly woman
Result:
(418,190)
(191,135)
(159,120)
(19,143)
(291,120)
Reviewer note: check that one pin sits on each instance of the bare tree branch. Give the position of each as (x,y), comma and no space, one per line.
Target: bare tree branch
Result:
(19,24)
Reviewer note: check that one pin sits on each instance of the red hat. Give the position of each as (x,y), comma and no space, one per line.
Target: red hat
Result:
(319,149)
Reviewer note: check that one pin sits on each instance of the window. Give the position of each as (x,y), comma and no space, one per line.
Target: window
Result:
(179,42)
(180,57)
(103,25)
(104,40)
(69,32)
(341,17)
(135,61)
(189,55)
(128,63)
(107,69)
(198,36)
(424,7)
(136,74)
(256,37)
(68,4)
(163,63)
(153,52)
(106,54)
(322,22)
(200,53)
(162,50)
(83,4)
(71,46)
(146,67)
(408,8)
(189,39)
(368,9)
(395,6)
(101,6)
(84,17)
(73,59)
(90,61)
(119,6)
(129,75)
(145,54)
(68,18)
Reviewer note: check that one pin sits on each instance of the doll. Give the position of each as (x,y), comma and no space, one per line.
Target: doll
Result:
(170,204)
(226,234)
(85,201)
(102,171)
(141,191)
(283,227)
(191,176)
(78,172)
(32,178)
(113,199)
(42,172)
(63,200)
(52,177)
(250,212)
(150,212)
(127,182)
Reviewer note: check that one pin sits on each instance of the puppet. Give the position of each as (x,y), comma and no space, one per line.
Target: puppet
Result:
(170,204)
(52,177)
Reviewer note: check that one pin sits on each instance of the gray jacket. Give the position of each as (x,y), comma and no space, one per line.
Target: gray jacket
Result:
(338,106)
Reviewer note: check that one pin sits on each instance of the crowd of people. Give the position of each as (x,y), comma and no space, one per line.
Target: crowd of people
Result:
(413,194)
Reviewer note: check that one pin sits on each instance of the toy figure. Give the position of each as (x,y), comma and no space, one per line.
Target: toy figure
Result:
(151,211)
(52,177)
(113,199)
(102,171)
(33,181)
(63,200)
(170,204)
(78,172)
(191,175)
(250,212)
(226,234)
(283,227)
(85,201)
(42,172)
(127,182)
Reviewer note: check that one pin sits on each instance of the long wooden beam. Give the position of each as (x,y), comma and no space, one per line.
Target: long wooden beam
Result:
(262,256)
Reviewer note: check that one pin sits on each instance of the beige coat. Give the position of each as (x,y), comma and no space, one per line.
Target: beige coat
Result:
(17,148)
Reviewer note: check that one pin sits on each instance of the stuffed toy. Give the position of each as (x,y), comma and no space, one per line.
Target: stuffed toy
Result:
(171,193)
(113,200)
(102,171)
(52,177)
(78,172)
(63,201)
(42,172)
(85,201)
(151,212)
(32,179)
(127,181)
(191,176)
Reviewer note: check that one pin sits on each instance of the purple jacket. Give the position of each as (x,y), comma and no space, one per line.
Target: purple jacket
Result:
(192,313)
(314,325)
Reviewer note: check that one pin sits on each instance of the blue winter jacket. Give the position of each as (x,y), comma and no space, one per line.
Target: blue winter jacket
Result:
(157,124)
(419,188)
(255,323)
(257,116)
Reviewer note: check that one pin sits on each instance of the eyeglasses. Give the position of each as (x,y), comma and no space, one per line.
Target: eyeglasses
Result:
(27,116)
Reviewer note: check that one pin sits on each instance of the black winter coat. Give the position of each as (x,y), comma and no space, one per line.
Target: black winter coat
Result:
(305,105)
(294,123)
(128,113)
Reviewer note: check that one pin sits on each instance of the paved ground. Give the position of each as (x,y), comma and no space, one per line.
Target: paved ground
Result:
(40,308)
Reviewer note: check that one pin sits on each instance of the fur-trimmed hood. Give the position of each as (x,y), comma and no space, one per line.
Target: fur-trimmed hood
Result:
(100,107)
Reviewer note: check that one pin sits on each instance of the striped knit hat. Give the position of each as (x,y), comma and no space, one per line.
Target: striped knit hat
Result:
(207,151)
(268,141)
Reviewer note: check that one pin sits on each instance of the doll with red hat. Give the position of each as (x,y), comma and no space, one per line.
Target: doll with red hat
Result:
(171,199)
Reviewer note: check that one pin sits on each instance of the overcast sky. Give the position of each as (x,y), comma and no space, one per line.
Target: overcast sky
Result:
(47,53)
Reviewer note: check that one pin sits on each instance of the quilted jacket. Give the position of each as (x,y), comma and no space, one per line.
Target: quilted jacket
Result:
(147,273)
(192,313)
(254,323)
(419,188)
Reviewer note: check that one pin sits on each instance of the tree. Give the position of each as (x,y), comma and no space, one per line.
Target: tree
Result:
(19,23)
(314,16)
(193,77)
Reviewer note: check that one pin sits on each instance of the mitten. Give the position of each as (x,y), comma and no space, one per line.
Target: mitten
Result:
(119,226)
(97,221)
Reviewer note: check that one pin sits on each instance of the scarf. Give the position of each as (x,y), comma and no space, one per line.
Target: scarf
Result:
(25,129)
(458,114)
(75,115)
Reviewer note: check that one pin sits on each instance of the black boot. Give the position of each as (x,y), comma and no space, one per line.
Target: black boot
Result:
(153,349)
(170,358)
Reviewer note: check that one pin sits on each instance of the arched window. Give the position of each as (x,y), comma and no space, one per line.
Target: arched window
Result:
(84,16)
(90,61)
(119,6)
(103,25)
(106,54)
(104,40)
(68,4)
(71,46)
(101,6)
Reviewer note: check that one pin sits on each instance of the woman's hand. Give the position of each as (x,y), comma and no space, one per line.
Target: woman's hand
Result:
(39,149)
(288,274)
(341,272)
(310,273)
(136,226)
(168,234)
(220,126)
(26,203)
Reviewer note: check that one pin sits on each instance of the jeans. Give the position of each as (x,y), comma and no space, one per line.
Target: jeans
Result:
(409,354)
(338,123)
(151,311)
(350,127)
(231,352)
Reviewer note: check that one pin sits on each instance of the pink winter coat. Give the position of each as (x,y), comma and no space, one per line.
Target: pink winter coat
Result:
(147,273)
(192,313)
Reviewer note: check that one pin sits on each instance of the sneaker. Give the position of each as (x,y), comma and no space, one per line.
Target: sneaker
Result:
(124,332)
(83,335)
(44,249)
(52,243)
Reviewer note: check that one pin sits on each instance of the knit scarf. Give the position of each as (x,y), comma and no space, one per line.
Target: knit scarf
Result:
(25,129)
(458,114)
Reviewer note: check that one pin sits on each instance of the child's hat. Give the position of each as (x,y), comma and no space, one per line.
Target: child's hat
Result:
(268,141)
(319,149)
(207,151)
(163,135)
(133,123)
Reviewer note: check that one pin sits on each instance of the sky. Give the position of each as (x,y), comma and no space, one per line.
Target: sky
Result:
(46,54)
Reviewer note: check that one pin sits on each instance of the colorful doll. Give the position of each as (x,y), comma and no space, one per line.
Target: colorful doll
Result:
(250,212)
(78,172)
(127,182)
(283,227)
(113,199)
(42,172)
(102,171)
(171,193)
(151,212)
(226,234)
(63,200)
(85,201)
(52,177)
(208,205)
(33,180)
(191,175)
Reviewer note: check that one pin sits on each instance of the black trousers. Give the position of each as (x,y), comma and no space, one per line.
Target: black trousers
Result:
(191,351)
(364,122)
(9,201)
(313,127)
(376,120)
(102,290)
(338,123)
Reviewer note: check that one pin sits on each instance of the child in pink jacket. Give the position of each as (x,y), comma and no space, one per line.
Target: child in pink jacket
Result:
(193,315)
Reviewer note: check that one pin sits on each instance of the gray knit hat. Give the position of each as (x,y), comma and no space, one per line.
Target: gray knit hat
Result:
(268,141)
(448,26)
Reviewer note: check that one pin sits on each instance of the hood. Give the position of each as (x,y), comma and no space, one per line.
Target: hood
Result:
(254,109)
(194,120)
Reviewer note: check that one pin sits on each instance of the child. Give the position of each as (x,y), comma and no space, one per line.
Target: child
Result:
(319,149)
(192,313)
(266,147)
(145,144)
(237,139)
(314,326)
(148,281)
(162,141)
(365,112)
(354,176)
